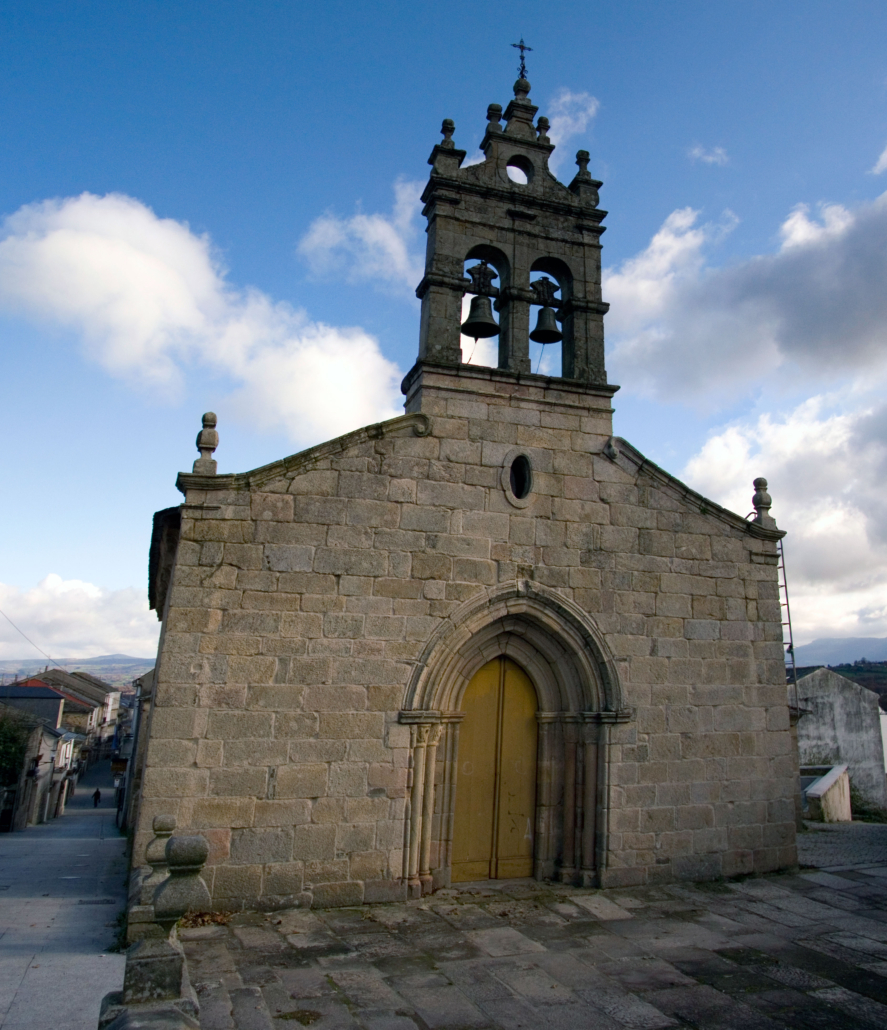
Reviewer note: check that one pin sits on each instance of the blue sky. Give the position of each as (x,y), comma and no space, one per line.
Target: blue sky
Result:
(251,230)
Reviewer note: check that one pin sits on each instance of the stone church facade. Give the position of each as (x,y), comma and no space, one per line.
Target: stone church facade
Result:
(486,638)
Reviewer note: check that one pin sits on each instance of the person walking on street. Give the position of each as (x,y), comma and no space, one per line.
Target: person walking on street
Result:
(96,797)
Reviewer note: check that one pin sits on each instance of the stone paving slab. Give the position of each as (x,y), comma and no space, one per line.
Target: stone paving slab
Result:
(805,951)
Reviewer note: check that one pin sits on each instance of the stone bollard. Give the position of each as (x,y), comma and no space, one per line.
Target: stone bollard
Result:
(155,983)
(140,917)
(184,890)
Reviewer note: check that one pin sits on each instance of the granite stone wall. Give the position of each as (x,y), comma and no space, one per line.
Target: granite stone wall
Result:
(303,596)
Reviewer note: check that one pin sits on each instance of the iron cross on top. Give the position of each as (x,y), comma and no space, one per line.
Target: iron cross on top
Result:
(523,49)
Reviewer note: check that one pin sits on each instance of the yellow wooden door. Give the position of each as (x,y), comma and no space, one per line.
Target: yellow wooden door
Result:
(496,776)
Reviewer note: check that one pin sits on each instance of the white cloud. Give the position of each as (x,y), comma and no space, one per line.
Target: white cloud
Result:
(570,115)
(379,247)
(150,299)
(74,619)
(880,164)
(799,230)
(715,156)
(682,329)
(825,462)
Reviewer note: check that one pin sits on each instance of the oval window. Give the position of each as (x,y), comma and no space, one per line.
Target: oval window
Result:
(520,170)
(521,477)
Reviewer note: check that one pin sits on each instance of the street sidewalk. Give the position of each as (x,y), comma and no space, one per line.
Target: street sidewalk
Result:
(62,885)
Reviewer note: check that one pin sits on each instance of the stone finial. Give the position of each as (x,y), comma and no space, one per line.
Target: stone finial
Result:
(155,856)
(761,502)
(542,127)
(207,442)
(184,890)
(583,185)
(447,128)
(494,114)
(521,89)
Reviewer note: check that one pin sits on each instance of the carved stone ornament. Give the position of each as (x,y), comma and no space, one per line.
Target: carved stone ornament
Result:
(482,277)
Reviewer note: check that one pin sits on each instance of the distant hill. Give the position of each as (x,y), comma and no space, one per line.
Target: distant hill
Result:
(117,669)
(842,651)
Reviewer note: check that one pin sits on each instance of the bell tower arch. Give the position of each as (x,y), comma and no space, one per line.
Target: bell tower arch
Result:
(512,214)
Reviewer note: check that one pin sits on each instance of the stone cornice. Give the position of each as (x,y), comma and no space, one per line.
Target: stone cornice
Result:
(479,373)
(642,464)
(513,199)
(303,460)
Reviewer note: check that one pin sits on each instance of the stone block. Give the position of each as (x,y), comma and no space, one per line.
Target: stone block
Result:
(301,781)
(251,846)
(211,813)
(328,511)
(701,629)
(346,561)
(313,843)
(282,879)
(237,883)
(238,725)
(301,624)
(289,557)
(271,507)
(251,669)
(348,779)
(255,752)
(241,782)
(174,783)
(281,812)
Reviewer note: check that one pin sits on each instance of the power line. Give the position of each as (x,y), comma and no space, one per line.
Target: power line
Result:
(31,642)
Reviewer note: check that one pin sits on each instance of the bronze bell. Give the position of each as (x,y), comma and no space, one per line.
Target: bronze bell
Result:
(480,322)
(546,330)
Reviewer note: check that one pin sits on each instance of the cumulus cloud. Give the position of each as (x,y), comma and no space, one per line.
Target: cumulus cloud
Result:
(880,164)
(74,619)
(570,115)
(151,299)
(825,462)
(383,248)
(680,328)
(714,156)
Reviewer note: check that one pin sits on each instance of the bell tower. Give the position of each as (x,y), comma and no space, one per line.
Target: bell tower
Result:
(512,217)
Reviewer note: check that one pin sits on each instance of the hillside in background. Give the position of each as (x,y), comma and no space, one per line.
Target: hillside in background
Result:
(842,651)
(119,670)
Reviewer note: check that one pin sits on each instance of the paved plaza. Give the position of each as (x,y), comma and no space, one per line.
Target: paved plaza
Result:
(61,889)
(800,951)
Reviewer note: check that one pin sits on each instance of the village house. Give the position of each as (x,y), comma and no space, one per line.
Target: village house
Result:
(39,789)
(486,638)
(91,707)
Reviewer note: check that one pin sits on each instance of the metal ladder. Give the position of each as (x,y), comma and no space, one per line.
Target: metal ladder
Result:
(791,669)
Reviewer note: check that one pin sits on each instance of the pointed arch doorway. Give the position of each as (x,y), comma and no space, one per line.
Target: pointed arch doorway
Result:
(495,810)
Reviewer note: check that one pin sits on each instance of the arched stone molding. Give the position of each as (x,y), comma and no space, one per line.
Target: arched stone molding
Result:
(579,695)
(558,644)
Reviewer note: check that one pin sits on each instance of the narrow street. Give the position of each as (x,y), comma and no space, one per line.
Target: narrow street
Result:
(61,889)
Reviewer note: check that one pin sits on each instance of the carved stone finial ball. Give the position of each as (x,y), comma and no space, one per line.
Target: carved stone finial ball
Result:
(210,420)
(521,87)
(186,854)
(164,823)
(760,483)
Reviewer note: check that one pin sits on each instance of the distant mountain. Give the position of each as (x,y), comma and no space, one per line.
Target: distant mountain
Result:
(841,650)
(117,669)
